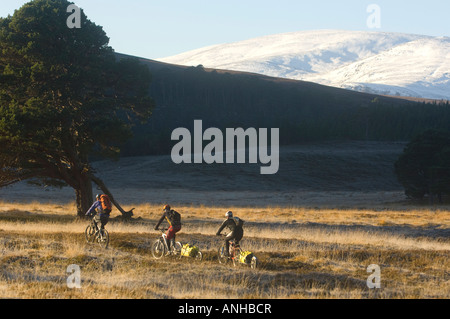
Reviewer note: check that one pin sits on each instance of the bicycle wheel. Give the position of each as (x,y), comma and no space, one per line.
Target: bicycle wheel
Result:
(158,249)
(236,258)
(223,259)
(177,249)
(254,262)
(103,238)
(199,256)
(89,234)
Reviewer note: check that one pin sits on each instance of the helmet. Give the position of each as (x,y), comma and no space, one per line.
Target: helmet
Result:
(228,214)
(166,207)
(97,196)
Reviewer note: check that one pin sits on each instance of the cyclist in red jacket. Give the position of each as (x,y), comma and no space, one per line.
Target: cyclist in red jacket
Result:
(174,220)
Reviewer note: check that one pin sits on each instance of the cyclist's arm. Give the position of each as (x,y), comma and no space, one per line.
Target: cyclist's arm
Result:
(160,221)
(93,207)
(224,224)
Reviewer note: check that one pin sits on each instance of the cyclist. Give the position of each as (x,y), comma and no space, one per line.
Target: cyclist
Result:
(102,209)
(234,224)
(174,220)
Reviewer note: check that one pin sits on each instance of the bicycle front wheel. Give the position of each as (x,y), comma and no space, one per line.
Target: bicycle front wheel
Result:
(223,259)
(89,234)
(103,238)
(158,249)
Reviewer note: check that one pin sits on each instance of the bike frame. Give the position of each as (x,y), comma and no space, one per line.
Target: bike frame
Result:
(94,224)
(232,249)
(160,246)
(164,239)
(101,235)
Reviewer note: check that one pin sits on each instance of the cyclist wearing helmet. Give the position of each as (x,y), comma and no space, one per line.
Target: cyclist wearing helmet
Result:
(97,208)
(234,224)
(174,220)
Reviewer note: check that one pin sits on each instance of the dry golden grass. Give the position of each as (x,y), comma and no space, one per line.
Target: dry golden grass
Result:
(303,253)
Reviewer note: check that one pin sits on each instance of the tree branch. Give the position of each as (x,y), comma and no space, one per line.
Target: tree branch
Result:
(99,182)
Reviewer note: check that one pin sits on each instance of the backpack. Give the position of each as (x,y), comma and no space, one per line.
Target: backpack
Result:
(106,203)
(239,222)
(174,217)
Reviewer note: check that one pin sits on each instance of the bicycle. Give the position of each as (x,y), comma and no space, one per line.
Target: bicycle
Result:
(94,233)
(160,247)
(234,255)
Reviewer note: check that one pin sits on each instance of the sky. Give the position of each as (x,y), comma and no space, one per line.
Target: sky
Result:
(160,28)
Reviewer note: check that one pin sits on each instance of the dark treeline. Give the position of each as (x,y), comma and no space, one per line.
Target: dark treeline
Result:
(302,111)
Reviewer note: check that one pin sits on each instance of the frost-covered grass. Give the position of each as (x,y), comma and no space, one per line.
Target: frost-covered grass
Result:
(303,253)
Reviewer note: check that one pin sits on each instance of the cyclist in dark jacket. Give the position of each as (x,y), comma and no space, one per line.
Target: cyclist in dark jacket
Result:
(174,220)
(234,224)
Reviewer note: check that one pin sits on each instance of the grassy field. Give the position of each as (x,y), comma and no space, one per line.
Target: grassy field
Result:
(303,253)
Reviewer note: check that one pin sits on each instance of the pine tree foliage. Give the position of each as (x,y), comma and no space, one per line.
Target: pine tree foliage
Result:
(64,96)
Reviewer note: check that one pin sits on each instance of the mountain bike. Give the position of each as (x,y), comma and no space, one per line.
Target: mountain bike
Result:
(94,233)
(234,255)
(160,247)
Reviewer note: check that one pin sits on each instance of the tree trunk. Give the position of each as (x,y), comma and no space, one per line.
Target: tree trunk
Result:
(84,198)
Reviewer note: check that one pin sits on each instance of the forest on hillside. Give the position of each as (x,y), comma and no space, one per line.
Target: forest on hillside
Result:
(302,111)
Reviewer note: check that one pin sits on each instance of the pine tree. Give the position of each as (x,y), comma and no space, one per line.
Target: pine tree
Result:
(63,94)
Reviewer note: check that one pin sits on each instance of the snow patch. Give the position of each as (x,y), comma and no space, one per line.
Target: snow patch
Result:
(376,62)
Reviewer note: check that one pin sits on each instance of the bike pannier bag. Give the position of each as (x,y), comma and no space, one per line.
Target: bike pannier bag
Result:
(189,250)
(246,257)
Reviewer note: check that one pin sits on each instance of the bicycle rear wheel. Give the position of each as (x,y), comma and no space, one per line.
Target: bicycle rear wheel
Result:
(158,249)
(236,256)
(177,249)
(103,238)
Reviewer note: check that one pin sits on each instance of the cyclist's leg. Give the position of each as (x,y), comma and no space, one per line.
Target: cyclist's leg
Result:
(97,221)
(238,234)
(104,218)
(228,238)
(169,236)
(171,233)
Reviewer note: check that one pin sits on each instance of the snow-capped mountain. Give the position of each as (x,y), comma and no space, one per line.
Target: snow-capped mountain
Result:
(377,62)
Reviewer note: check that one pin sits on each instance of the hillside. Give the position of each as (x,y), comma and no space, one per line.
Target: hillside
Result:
(337,146)
(375,62)
(303,111)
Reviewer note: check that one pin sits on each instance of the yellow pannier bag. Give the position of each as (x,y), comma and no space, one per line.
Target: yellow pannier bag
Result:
(246,257)
(189,250)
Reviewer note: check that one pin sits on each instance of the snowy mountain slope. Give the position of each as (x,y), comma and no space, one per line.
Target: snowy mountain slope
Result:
(387,63)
